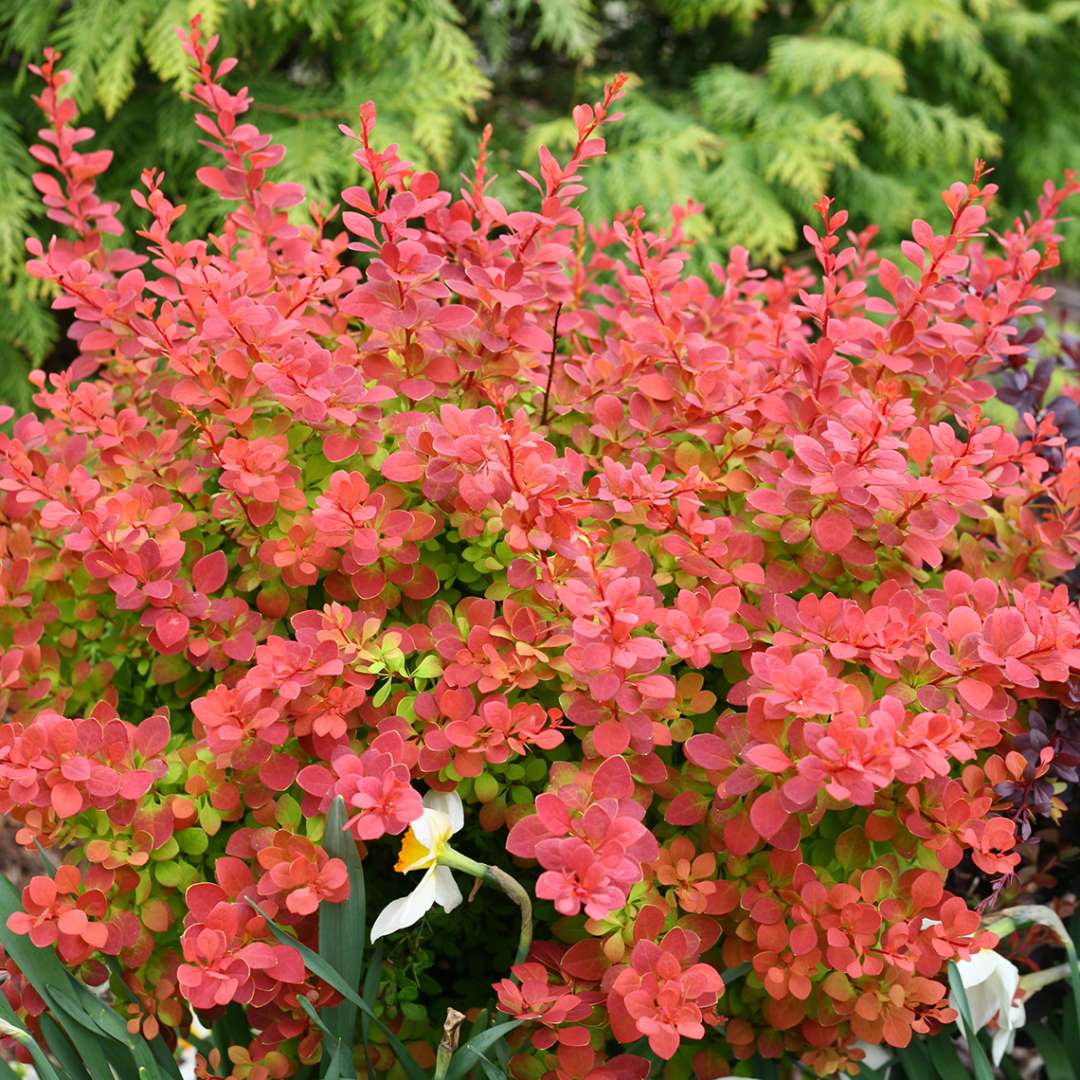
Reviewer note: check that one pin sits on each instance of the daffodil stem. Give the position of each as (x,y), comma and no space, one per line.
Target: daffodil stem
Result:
(520,897)
(456,861)
(1036,980)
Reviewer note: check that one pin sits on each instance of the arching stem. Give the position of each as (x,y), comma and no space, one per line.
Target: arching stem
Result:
(501,879)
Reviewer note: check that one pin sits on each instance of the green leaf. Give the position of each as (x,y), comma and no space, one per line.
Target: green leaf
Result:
(326,971)
(1071,1032)
(231,1029)
(1055,1058)
(465,1056)
(333,1066)
(371,993)
(66,1055)
(733,974)
(16,1030)
(99,1053)
(866,1073)
(342,931)
(767,1070)
(983,1069)
(83,1007)
(946,1060)
(332,1045)
(819,62)
(1010,1070)
(916,1060)
(428,668)
(1072,1020)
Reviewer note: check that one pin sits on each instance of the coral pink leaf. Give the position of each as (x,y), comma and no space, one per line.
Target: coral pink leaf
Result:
(832,531)
(656,387)
(708,752)
(453,317)
(687,808)
(402,466)
(770,758)
(975,694)
(66,800)
(613,780)
(210,572)
(767,814)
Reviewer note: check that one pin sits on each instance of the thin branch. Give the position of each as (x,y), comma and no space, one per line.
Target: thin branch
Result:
(551,364)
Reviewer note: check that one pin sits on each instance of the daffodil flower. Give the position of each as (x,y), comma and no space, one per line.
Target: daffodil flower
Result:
(426,847)
(990,984)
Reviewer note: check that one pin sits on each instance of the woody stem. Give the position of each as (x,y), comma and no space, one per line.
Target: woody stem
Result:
(551,364)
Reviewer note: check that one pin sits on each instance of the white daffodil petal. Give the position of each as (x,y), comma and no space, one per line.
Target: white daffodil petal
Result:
(990,983)
(984,1002)
(977,968)
(449,804)
(407,910)
(1001,1044)
(447,893)
(430,828)
(1005,1036)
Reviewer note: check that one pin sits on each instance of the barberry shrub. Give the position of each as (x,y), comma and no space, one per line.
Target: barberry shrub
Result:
(717,601)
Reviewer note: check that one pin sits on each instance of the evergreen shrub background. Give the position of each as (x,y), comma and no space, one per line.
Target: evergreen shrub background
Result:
(753,107)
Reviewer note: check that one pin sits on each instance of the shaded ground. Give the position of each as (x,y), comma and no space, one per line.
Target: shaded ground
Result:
(17,864)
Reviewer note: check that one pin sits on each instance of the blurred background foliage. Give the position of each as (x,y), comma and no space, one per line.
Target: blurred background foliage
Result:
(752,107)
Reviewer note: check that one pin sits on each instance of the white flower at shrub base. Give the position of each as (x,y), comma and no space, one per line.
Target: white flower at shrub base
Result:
(990,983)
(875,1056)
(425,843)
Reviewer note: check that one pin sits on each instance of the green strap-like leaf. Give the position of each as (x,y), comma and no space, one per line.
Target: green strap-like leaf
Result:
(42,1064)
(983,1069)
(1072,1018)
(371,993)
(7,1072)
(330,1067)
(946,1060)
(328,973)
(915,1061)
(1010,1070)
(97,1018)
(67,1056)
(97,1053)
(1055,1058)
(465,1057)
(342,930)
